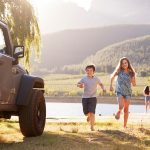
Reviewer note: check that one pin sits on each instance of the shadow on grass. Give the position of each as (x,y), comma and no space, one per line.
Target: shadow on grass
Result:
(145,131)
(51,141)
(103,140)
(64,140)
(120,136)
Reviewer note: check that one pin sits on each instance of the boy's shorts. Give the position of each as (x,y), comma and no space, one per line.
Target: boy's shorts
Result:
(127,97)
(89,105)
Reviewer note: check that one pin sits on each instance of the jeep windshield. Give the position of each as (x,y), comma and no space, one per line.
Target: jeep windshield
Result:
(2,43)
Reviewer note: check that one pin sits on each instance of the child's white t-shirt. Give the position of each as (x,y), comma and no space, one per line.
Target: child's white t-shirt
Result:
(90,86)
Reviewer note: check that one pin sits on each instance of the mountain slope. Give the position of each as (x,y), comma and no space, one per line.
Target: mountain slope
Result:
(137,50)
(73,46)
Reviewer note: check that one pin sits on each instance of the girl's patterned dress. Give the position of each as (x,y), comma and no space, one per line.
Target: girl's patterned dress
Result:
(123,84)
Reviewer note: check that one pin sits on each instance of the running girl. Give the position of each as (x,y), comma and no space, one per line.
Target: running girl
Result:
(147,97)
(126,76)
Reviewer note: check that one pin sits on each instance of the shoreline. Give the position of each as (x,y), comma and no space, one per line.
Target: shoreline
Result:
(134,118)
(102,100)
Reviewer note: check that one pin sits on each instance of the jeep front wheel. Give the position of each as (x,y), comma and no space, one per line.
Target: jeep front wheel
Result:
(32,117)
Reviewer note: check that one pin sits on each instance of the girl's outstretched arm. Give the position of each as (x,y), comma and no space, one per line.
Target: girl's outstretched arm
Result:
(103,87)
(133,81)
(111,82)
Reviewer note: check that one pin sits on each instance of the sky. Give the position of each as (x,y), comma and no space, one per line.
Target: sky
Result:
(86,4)
(58,15)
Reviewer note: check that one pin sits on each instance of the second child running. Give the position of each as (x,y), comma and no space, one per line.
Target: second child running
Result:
(89,100)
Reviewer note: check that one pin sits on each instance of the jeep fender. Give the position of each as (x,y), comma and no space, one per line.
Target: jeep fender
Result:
(27,84)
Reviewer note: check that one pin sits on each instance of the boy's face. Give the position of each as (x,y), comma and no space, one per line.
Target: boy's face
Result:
(89,72)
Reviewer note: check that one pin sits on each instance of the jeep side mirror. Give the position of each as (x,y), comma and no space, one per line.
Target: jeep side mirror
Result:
(18,52)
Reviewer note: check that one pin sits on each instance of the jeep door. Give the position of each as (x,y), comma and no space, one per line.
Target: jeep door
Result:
(6,76)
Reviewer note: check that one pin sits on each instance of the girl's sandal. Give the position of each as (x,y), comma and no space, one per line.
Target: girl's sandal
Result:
(92,129)
(117,116)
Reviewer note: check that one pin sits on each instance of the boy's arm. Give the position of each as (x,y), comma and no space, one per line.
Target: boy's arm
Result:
(101,85)
(80,84)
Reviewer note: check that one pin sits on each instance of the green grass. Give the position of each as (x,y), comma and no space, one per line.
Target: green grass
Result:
(75,136)
(65,85)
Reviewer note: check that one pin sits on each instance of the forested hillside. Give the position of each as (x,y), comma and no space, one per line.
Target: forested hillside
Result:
(137,50)
(73,46)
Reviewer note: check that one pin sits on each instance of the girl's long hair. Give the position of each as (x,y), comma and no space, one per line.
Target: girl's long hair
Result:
(146,90)
(119,68)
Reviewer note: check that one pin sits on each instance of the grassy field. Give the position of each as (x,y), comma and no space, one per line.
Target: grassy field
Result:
(65,85)
(76,136)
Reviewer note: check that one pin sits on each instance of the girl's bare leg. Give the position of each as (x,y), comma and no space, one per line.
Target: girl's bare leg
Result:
(149,104)
(146,105)
(126,111)
(121,106)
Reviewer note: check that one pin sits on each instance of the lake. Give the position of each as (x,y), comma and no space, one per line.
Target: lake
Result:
(58,110)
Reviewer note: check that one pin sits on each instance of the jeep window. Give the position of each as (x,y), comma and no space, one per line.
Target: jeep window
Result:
(2,43)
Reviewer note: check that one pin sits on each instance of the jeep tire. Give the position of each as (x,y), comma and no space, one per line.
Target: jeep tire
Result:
(32,117)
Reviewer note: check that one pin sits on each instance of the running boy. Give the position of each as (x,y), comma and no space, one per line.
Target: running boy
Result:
(89,100)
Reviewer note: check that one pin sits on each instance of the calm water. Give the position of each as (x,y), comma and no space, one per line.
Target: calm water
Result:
(75,109)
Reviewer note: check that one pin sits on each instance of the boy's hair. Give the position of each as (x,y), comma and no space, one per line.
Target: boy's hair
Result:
(90,67)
